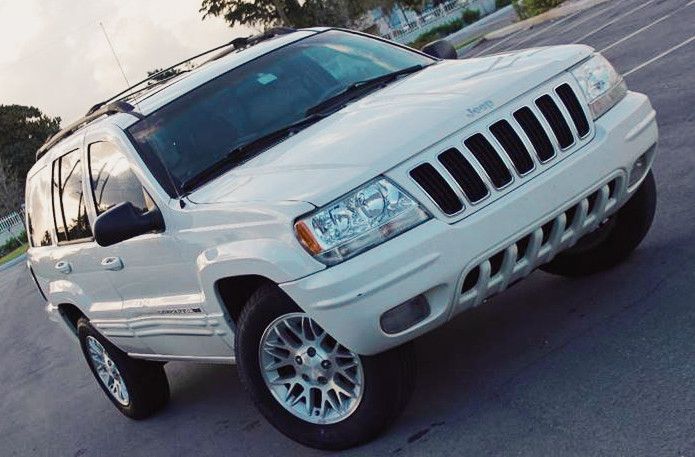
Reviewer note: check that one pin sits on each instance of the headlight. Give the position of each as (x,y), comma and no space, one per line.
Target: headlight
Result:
(360,220)
(603,87)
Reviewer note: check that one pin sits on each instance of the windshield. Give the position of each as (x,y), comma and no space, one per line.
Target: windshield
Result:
(199,129)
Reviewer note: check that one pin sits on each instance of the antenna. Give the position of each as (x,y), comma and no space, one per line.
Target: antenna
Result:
(113,51)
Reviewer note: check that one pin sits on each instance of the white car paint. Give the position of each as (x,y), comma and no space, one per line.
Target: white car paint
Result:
(163,303)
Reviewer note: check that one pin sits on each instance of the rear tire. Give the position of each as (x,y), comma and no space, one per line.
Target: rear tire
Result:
(614,241)
(388,378)
(140,388)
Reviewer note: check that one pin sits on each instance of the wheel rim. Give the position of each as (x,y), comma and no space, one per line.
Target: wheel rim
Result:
(107,372)
(310,374)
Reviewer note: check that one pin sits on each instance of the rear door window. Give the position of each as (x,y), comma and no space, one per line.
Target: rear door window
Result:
(39,219)
(69,208)
(112,179)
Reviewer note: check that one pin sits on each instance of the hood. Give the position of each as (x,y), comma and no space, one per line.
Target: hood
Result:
(381,130)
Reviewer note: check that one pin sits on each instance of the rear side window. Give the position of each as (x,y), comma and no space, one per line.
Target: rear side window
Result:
(112,179)
(69,208)
(39,208)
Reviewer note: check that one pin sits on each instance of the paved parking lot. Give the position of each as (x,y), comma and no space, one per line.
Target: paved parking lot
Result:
(596,366)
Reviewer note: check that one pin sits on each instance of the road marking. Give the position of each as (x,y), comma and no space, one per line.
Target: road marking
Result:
(645,28)
(609,23)
(562,21)
(663,54)
(498,43)
(590,17)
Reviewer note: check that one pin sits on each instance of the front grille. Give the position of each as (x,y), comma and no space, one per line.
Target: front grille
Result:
(557,122)
(519,143)
(535,133)
(487,157)
(434,184)
(571,102)
(464,174)
(513,146)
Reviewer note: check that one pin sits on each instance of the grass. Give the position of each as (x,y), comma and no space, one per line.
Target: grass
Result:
(13,254)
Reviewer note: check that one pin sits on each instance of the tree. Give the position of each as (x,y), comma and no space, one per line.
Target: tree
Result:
(23,129)
(267,13)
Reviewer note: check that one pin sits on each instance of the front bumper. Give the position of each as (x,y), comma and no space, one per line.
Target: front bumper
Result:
(434,259)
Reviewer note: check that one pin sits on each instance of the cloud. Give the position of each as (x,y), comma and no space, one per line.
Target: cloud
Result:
(53,55)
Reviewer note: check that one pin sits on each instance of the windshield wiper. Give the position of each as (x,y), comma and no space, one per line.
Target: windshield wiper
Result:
(358,88)
(247,151)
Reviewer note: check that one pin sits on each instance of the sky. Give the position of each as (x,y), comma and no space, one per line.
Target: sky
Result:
(53,53)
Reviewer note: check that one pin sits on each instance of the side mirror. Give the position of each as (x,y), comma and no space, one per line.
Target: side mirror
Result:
(123,222)
(441,49)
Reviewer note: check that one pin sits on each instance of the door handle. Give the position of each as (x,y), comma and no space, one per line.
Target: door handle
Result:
(112,263)
(63,266)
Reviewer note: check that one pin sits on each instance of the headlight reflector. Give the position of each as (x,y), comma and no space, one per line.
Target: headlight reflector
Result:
(360,220)
(602,86)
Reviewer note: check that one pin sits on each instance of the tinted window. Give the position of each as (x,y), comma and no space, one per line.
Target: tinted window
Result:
(39,208)
(113,181)
(69,200)
(200,128)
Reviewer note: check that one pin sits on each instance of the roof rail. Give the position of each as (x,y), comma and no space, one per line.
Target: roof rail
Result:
(111,108)
(234,45)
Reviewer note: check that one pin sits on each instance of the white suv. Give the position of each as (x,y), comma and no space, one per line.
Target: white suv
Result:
(307,202)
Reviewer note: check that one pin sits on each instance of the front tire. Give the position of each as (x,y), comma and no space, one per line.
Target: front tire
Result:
(307,385)
(614,241)
(137,388)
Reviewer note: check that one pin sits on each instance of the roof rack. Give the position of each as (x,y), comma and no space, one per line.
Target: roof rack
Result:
(112,108)
(234,45)
(116,104)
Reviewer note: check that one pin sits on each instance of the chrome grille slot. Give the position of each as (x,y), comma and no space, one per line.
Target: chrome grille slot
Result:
(434,184)
(571,102)
(486,155)
(556,120)
(465,175)
(513,146)
(535,133)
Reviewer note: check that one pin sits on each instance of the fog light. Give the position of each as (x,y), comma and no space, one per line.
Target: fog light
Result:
(640,168)
(405,315)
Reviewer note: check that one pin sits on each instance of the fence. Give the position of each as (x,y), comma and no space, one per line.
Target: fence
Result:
(443,14)
(11,226)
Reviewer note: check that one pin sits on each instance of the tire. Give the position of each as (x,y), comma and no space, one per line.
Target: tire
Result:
(614,241)
(388,378)
(145,382)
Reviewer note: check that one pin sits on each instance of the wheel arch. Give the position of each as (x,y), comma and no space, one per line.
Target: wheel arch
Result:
(234,292)
(70,315)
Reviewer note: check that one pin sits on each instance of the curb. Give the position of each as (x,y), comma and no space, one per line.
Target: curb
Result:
(563,10)
(13,262)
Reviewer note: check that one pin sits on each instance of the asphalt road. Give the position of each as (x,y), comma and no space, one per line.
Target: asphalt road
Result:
(596,366)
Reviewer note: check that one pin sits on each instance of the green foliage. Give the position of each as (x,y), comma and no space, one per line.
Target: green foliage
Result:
(437,32)
(502,3)
(9,246)
(295,13)
(530,8)
(469,16)
(23,129)
(158,75)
